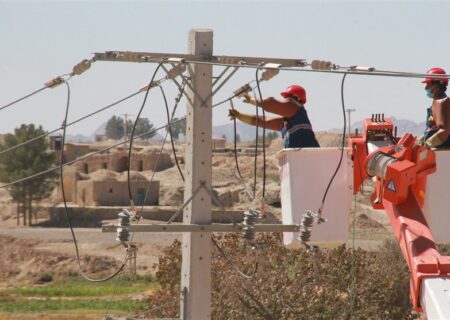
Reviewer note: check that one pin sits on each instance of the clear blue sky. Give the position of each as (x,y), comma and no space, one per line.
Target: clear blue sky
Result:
(41,40)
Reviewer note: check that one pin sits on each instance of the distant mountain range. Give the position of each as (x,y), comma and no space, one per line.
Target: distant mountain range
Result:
(247,132)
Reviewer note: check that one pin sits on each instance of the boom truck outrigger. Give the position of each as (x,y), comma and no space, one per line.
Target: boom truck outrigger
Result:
(400,168)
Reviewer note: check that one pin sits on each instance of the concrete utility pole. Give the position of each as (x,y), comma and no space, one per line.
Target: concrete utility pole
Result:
(196,247)
(349,111)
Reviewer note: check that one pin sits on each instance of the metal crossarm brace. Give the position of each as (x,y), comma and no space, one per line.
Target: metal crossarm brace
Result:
(174,80)
(215,227)
(128,56)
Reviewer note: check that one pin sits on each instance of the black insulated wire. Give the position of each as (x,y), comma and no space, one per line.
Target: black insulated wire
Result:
(130,195)
(231,263)
(236,160)
(100,151)
(255,167)
(342,145)
(170,129)
(264,134)
(61,166)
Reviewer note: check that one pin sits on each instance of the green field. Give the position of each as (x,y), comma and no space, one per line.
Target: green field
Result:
(76,296)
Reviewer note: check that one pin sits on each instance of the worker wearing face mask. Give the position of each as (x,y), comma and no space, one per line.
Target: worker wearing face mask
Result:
(437,132)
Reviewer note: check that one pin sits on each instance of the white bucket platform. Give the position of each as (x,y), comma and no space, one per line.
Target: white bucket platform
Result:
(304,175)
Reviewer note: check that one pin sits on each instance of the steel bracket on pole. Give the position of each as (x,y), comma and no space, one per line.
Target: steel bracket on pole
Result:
(128,56)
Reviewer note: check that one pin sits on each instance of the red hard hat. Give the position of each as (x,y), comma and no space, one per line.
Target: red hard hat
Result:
(295,90)
(435,70)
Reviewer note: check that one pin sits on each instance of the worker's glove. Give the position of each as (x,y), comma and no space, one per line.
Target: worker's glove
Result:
(431,122)
(249,99)
(233,114)
(434,141)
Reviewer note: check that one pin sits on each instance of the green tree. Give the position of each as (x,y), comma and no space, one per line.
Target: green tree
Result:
(115,128)
(271,136)
(144,125)
(178,127)
(23,162)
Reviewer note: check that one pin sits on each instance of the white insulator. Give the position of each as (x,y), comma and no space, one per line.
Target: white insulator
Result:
(306,226)
(81,67)
(322,65)
(123,234)
(249,221)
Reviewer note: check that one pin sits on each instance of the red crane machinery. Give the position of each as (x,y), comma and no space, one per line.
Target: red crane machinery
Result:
(400,168)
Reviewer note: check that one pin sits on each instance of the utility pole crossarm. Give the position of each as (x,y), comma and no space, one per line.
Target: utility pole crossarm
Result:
(215,227)
(152,57)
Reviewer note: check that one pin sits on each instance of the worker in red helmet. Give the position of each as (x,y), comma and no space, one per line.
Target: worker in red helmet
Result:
(294,123)
(437,132)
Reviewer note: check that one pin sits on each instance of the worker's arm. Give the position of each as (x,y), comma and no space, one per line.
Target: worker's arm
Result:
(441,113)
(285,108)
(268,123)
(437,139)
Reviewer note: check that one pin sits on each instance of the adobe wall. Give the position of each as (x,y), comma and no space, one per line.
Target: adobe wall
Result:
(115,193)
(73,151)
(70,185)
(118,162)
(85,193)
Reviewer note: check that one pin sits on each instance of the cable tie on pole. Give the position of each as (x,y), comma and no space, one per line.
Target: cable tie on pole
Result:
(81,67)
(54,82)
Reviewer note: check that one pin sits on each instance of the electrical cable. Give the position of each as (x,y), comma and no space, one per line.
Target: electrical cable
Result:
(344,70)
(342,151)
(264,134)
(177,100)
(255,167)
(23,98)
(224,255)
(86,156)
(73,122)
(103,150)
(170,129)
(236,156)
(82,272)
(130,195)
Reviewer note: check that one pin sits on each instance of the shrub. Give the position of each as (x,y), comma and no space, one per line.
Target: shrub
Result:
(44,277)
(294,284)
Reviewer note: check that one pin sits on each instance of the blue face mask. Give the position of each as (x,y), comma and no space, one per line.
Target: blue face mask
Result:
(429,93)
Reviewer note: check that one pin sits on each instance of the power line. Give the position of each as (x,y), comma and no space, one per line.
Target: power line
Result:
(23,98)
(169,119)
(342,150)
(86,156)
(82,272)
(104,149)
(130,195)
(71,123)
